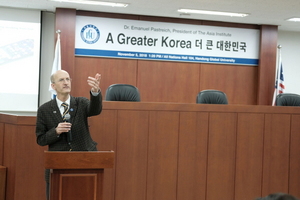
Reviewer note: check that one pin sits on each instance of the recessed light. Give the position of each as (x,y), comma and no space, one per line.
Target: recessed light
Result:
(90,2)
(294,19)
(206,12)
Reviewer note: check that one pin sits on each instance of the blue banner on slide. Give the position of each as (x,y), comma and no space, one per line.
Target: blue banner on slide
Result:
(164,57)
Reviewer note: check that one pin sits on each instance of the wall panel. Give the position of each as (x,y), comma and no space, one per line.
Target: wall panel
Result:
(66,23)
(249,155)
(221,156)
(238,82)
(192,157)
(168,81)
(2,182)
(9,160)
(112,71)
(131,155)
(162,155)
(294,176)
(1,142)
(267,64)
(28,176)
(276,153)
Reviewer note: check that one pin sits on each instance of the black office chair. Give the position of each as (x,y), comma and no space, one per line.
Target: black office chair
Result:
(287,99)
(122,92)
(211,97)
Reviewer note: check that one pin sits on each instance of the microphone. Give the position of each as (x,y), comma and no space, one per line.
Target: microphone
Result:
(69,134)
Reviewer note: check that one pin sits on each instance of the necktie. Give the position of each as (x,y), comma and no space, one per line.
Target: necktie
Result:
(66,110)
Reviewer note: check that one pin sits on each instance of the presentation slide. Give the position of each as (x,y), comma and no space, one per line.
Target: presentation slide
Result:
(19,61)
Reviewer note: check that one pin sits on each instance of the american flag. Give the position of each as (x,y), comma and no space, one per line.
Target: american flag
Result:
(279,82)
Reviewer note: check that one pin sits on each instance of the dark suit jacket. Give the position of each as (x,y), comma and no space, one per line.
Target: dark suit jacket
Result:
(49,116)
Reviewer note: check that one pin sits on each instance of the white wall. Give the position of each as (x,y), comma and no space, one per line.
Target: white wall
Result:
(290,54)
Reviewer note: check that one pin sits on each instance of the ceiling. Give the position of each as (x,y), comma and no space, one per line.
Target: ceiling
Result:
(271,12)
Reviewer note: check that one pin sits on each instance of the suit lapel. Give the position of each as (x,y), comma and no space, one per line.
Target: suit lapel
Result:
(55,111)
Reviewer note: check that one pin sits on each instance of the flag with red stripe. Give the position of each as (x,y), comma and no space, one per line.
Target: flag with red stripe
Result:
(279,81)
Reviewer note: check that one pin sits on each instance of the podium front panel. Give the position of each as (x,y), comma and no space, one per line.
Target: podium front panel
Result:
(76,184)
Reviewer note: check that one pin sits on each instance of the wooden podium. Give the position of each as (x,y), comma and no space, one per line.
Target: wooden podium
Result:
(77,175)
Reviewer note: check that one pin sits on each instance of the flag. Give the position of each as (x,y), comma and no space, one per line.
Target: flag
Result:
(56,64)
(279,81)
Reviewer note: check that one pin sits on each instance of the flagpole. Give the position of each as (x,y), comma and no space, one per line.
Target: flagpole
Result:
(56,62)
(277,75)
(279,61)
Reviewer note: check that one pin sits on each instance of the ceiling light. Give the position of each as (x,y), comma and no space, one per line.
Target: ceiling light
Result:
(206,12)
(295,19)
(90,2)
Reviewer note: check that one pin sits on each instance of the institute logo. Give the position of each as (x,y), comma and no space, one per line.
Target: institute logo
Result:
(90,34)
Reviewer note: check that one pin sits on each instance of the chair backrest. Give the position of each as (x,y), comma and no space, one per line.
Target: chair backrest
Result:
(211,97)
(122,92)
(287,99)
